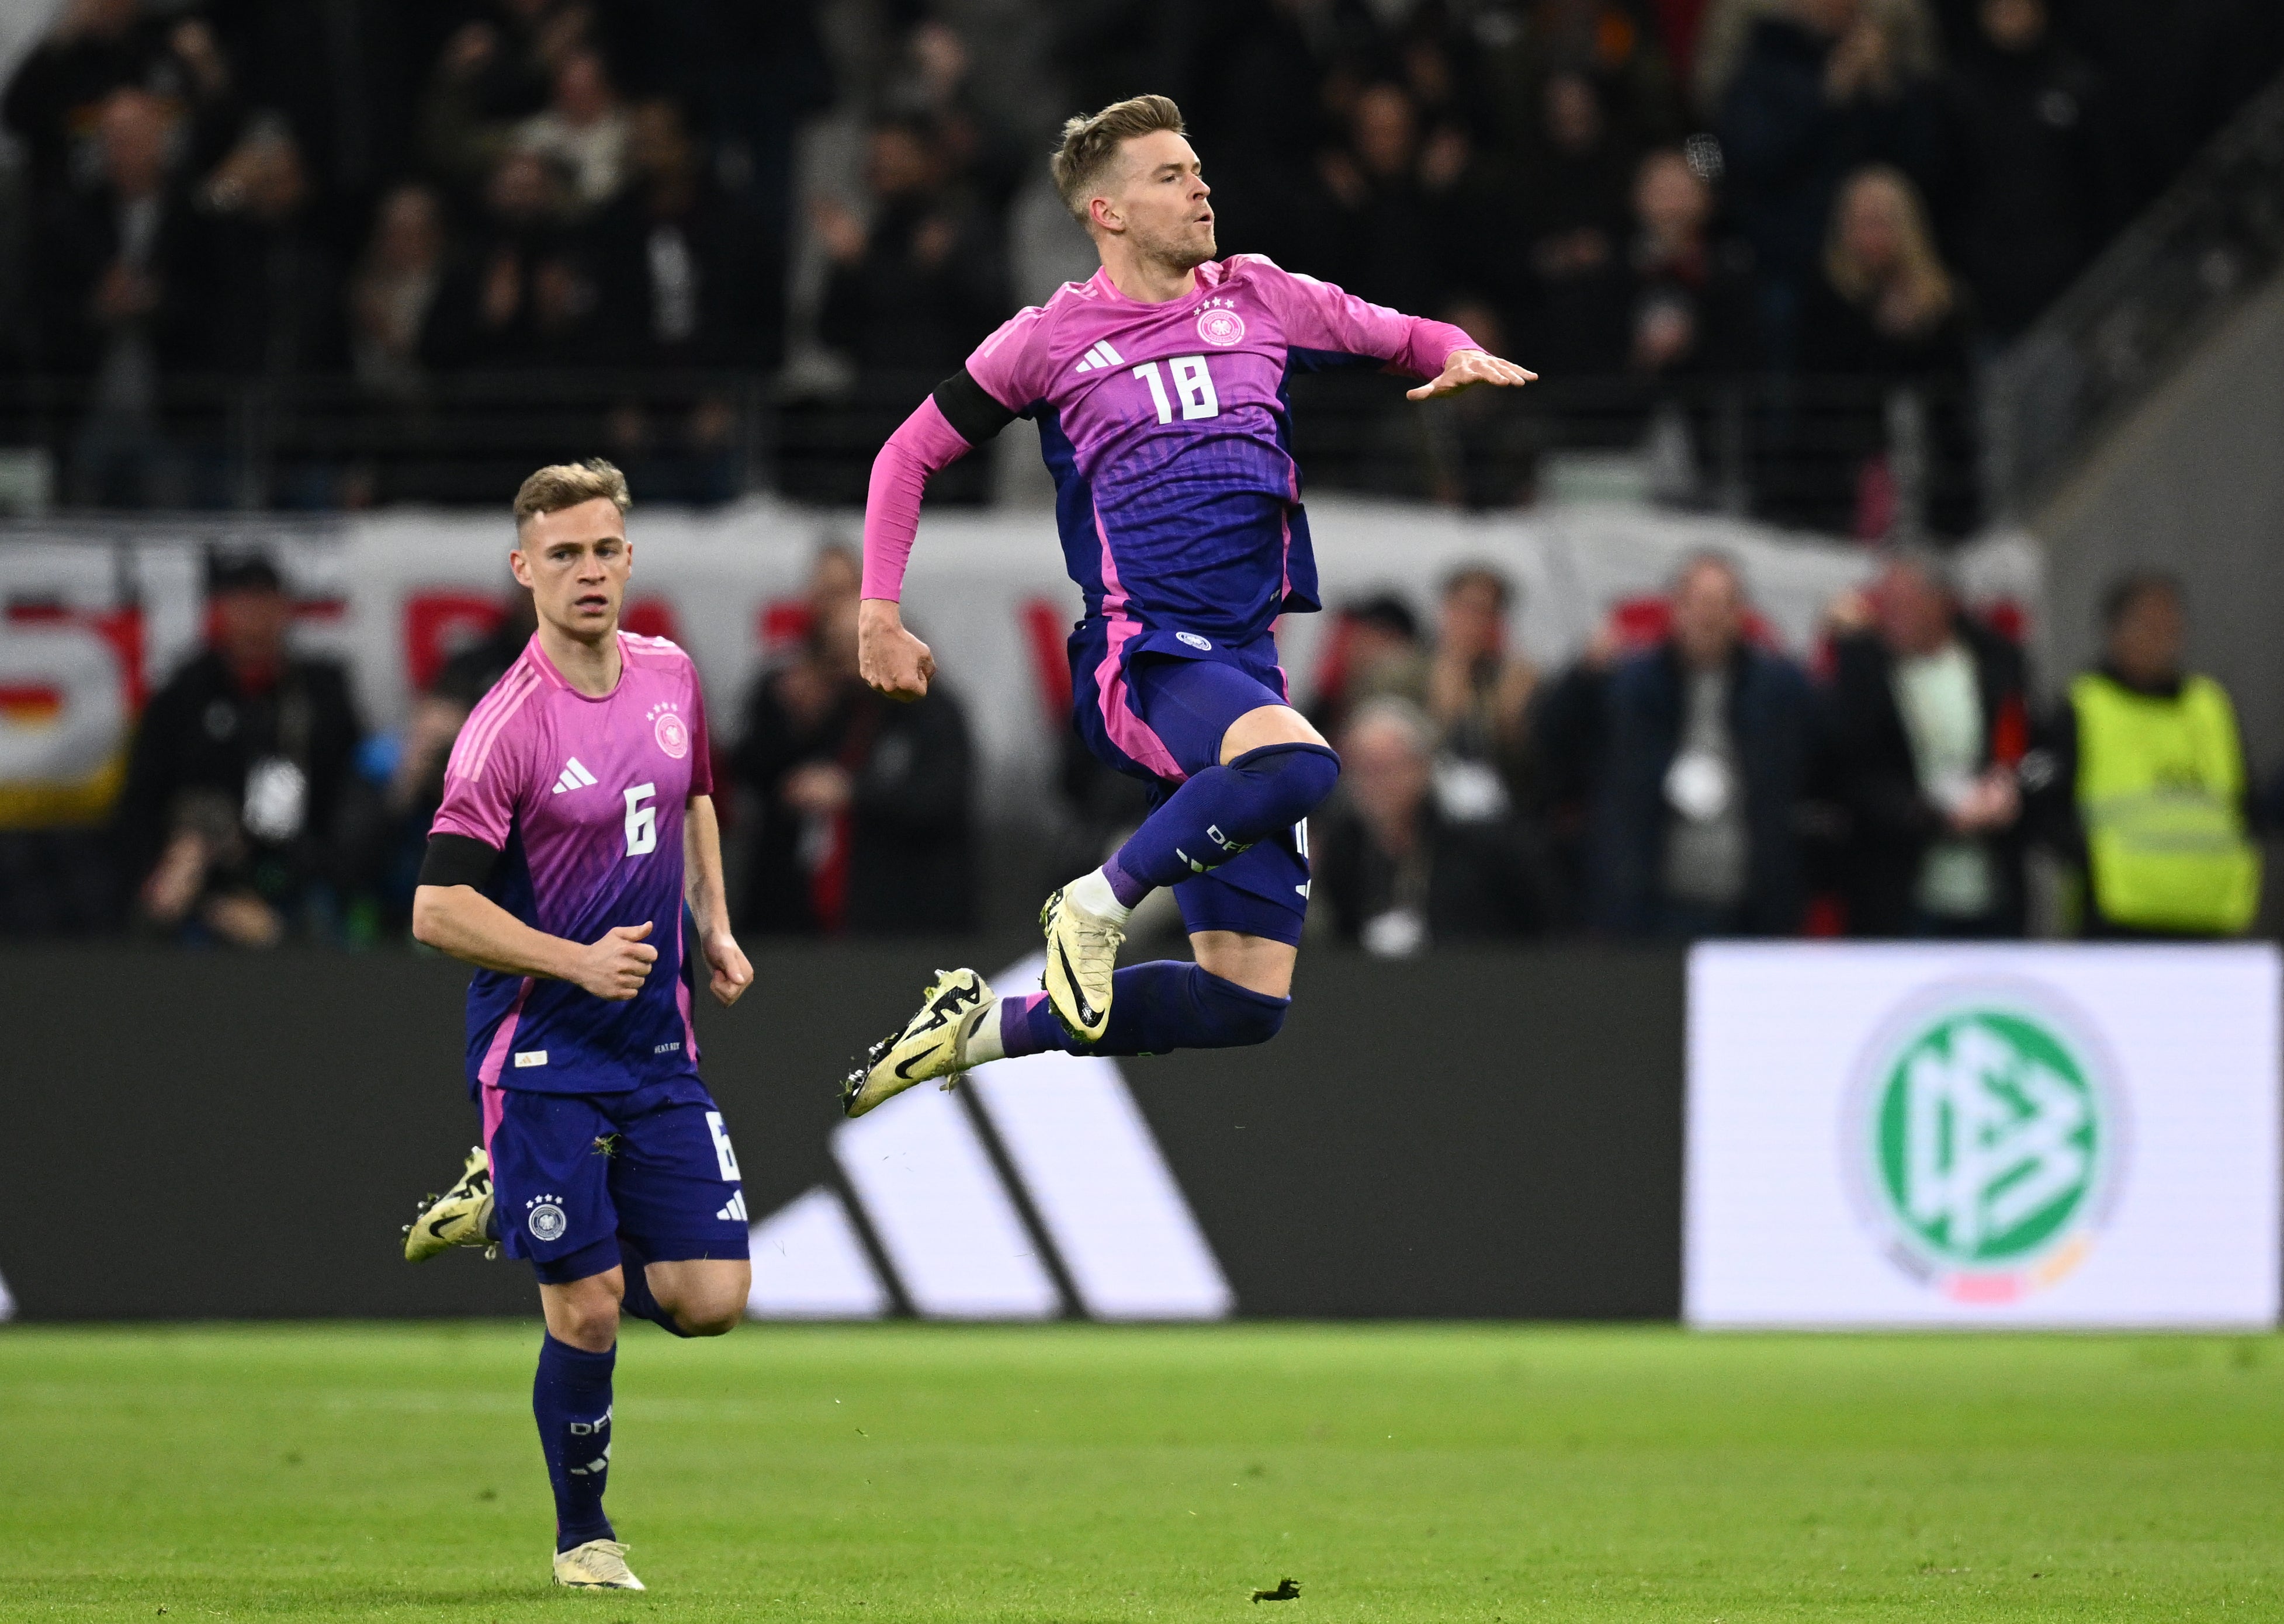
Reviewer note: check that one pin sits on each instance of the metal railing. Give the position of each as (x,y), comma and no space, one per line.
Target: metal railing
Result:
(1840,456)
(2158,290)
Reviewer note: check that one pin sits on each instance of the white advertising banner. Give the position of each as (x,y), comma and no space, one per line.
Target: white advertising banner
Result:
(2029,1135)
(94,616)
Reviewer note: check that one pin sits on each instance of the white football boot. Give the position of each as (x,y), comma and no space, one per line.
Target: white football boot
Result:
(599,1564)
(934,1043)
(1082,954)
(461,1216)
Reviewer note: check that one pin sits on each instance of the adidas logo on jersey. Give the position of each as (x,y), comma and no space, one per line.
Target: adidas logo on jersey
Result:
(735,1213)
(573,776)
(1101,355)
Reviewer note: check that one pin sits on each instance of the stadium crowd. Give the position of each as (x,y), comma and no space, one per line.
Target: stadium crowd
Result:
(370,197)
(1655,202)
(1680,779)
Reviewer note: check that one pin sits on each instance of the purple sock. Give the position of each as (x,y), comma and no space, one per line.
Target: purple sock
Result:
(1219,813)
(1155,1008)
(571,1400)
(1129,890)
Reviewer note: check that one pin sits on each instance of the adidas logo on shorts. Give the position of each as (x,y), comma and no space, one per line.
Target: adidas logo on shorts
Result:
(735,1212)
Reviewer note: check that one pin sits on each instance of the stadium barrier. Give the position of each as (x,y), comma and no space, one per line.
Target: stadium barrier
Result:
(1986,1137)
(1494,1134)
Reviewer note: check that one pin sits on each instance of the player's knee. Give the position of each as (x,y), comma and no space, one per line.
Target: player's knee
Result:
(709,1311)
(1237,1017)
(712,1315)
(1296,778)
(588,1323)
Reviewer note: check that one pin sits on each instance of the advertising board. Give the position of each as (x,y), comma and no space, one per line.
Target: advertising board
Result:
(1982,1136)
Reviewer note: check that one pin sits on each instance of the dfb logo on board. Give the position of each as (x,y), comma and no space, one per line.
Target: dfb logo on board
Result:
(1987,1138)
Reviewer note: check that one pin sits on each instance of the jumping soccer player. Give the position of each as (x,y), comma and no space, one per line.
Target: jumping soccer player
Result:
(1159,389)
(578,817)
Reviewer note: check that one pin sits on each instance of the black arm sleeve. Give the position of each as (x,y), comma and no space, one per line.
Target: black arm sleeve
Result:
(458,859)
(970,409)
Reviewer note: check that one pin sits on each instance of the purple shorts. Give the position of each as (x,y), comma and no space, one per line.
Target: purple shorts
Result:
(571,1173)
(1155,704)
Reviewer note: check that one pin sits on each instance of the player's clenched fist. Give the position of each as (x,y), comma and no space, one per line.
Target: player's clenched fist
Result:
(889,659)
(616,966)
(733,974)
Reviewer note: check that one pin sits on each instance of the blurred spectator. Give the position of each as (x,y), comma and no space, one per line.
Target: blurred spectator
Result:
(860,806)
(495,71)
(393,296)
(584,130)
(1603,39)
(238,774)
(2140,782)
(1689,303)
(408,764)
(1376,653)
(2033,168)
(752,77)
(1267,102)
(1885,315)
(684,284)
(1396,869)
(1569,734)
(1911,24)
(279,312)
(941,83)
(55,102)
(1482,446)
(520,298)
(683,277)
(917,288)
(127,294)
(1708,751)
(1823,87)
(1478,691)
(1573,204)
(1928,726)
(1388,201)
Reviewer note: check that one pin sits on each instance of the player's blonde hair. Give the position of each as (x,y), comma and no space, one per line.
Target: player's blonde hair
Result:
(1091,141)
(567,485)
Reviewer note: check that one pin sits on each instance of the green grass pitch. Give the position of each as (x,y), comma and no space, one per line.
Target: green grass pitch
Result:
(1073,1473)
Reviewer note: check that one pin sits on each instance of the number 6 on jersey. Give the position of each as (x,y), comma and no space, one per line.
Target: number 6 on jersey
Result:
(642,821)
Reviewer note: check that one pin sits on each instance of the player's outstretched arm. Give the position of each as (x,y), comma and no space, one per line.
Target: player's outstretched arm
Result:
(1464,369)
(958,417)
(710,903)
(462,921)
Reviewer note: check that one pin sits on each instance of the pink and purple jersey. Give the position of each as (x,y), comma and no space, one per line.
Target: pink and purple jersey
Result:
(583,799)
(1165,427)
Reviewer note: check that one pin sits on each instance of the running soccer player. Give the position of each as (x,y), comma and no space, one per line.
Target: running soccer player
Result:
(1158,385)
(577,819)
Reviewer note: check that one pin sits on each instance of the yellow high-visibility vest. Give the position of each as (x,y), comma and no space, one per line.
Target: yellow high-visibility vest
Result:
(2161,789)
